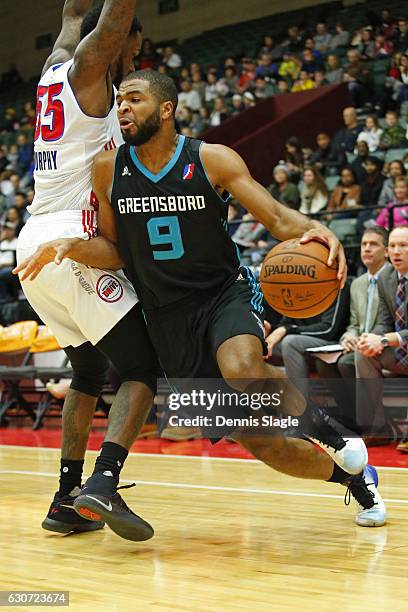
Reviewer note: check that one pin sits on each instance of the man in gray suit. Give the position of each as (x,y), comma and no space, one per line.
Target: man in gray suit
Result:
(363,312)
(386,347)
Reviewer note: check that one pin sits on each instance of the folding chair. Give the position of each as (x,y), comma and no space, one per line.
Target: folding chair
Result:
(46,354)
(15,344)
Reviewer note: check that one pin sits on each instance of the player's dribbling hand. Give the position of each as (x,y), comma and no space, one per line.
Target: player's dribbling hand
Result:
(323,234)
(53,251)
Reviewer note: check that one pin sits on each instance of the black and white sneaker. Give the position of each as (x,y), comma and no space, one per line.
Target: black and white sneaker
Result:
(100,501)
(349,453)
(62,517)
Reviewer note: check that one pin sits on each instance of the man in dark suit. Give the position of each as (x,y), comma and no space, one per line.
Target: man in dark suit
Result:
(387,346)
(363,314)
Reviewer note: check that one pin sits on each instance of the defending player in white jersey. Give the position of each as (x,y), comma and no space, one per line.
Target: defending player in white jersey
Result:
(94,313)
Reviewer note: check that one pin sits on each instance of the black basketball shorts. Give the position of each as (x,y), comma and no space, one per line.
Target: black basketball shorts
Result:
(187,335)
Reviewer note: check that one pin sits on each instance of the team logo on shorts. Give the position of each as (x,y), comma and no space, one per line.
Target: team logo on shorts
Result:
(109,288)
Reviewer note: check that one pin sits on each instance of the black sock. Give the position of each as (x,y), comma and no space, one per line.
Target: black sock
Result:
(70,475)
(339,475)
(111,458)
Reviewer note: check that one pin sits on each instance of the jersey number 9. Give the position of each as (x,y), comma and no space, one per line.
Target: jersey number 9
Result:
(55,109)
(166,230)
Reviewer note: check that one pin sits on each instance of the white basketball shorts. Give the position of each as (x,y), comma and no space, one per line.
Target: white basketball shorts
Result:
(77,302)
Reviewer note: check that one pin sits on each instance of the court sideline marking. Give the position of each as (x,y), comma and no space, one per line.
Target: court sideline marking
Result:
(181,485)
(164,456)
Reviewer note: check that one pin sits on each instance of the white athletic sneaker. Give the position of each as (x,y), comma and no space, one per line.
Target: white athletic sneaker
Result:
(349,453)
(371,510)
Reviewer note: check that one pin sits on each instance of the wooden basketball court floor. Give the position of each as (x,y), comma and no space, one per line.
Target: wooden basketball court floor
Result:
(230,535)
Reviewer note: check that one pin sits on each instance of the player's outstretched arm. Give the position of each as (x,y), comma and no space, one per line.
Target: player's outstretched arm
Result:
(97,52)
(100,252)
(68,39)
(227,170)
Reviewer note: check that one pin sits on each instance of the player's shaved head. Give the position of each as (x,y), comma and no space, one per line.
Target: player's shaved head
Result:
(161,86)
(91,19)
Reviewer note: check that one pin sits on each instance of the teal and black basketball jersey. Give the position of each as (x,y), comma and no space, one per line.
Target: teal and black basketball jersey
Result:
(172,226)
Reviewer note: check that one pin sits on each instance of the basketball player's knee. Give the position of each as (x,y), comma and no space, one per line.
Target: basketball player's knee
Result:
(90,369)
(243,368)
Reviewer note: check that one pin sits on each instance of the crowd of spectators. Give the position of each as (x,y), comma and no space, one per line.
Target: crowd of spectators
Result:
(351,172)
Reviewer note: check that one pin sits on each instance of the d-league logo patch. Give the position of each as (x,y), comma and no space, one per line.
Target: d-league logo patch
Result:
(109,288)
(188,172)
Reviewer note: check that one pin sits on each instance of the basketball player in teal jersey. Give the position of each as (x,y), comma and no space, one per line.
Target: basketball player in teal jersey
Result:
(162,201)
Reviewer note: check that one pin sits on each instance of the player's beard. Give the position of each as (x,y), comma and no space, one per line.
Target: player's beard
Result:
(145,130)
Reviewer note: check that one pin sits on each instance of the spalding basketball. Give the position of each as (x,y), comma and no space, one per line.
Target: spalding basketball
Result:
(296,280)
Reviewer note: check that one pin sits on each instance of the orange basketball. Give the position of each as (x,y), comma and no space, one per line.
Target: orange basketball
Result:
(296,280)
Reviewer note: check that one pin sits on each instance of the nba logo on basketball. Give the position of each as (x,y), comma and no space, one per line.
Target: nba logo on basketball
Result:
(188,172)
(109,288)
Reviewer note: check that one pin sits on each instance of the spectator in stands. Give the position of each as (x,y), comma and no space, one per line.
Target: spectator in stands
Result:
(283,87)
(266,67)
(268,46)
(341,38)
(395,170)
(388,24)
(248,100)
(311,63)
(289,341)
(29,114)
(401,38)
(171,59)
(203,120)
(304,82)
(294,40)
(400,199)
(327,159)
(345,139)
(186,119)
(8,246)
(282,189)
(314,194)
(371,134)
(370,189)
(148,57)
(386,346)
(13,219)
(214,88)
(294,158)
(20,202)
(290,66)
(247,75)
(322,38)
(358,165)
(394,134)
(220,112)
(334,72)
(10,186)
(263,88)
(366,47)
(237,104)
(320,78)
(248,232)
(199,85)
(310,45)
(4,161)
(188,96)
(363,314)
(25,154)
(357,75)
(346,196)
(230,78)
(382,47)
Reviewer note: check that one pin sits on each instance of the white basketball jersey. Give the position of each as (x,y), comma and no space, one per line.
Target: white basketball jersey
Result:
(65,144)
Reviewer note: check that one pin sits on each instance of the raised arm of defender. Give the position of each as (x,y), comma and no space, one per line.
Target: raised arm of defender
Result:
(96,53)
(227,170)
(68,39)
